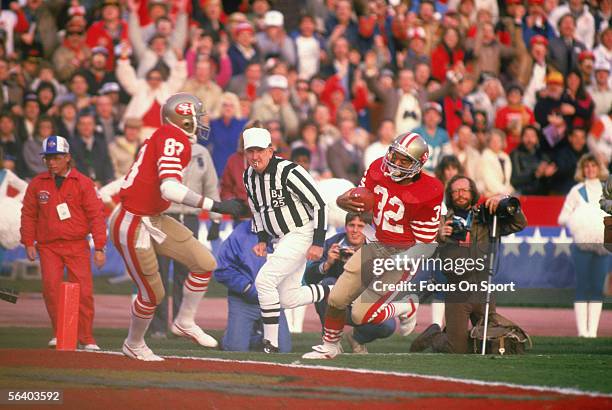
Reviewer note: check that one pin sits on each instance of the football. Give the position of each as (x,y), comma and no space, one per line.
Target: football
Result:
(365,196)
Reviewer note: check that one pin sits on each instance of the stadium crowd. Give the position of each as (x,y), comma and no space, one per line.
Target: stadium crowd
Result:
(511,93)
(516,98)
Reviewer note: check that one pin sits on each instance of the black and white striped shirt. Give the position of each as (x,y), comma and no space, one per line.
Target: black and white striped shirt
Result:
(284,197)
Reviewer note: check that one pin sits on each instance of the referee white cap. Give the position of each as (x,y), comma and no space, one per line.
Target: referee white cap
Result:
(256,137)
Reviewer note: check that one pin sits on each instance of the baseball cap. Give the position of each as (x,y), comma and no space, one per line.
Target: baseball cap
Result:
(256,137)
(110,87)
(99,50)
(433,106)
(274,18)
(55,145)
(554,77)
(277,81)
(601,65)
(538,39)
(244,26)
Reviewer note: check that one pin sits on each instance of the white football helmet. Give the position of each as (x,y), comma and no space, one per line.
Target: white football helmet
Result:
(411,146)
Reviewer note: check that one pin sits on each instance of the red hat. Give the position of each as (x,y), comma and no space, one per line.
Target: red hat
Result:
(244,26)
(536,2)
(586,54)
(538,39)
(513,2)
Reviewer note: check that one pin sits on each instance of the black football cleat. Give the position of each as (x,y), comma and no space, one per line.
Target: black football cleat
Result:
(269,347)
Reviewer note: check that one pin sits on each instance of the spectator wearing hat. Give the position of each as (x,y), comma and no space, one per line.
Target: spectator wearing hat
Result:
(161,49)
(273,41)
(249,84)
(109,31)
(90,151)
(149,94)
(73,54)
(123,149)
(416,53)
(563,51)
(106,123)
(549,98)
(585,22)
(33,165)
(586,60)
(535,22)
(225,131)
(96,72)
(308,46)
(243,49)
(203,86)
(113,90)
(513,117)
(275,105)
(533,72)
(600,89)
(27,123)
(435,136)
(60,210)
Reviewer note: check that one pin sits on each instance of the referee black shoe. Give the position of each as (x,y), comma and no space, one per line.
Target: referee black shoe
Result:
(269,347)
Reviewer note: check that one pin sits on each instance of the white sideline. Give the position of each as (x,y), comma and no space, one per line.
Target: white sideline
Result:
(560,390)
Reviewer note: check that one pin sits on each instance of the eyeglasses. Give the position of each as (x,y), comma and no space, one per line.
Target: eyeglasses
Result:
(460,191)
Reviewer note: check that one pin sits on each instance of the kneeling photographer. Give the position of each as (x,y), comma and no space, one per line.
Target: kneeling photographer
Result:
(337,250)
(466,234)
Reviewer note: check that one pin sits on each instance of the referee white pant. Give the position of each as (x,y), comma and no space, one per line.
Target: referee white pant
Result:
(279,281)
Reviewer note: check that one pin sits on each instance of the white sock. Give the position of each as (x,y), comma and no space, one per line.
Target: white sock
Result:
(580,309)
(594,309)
(298,319)
(141,316)
(271,333)
(194,288)
(437,313)
(289,316)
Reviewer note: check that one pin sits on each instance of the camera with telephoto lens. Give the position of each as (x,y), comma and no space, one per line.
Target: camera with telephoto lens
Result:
(506,208)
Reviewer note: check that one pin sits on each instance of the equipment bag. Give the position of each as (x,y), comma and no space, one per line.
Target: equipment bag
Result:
(503,336)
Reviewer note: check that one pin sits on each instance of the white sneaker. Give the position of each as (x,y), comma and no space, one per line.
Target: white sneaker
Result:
(324,351)
(407,323)
(196,334)
(140,353)
(52,342)
(92,347)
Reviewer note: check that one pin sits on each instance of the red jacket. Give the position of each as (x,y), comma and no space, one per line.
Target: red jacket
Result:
(98,36)
(442,61)
(39,217)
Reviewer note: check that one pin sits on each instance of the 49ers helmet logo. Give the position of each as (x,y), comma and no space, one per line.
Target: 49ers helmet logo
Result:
(424,157)
(185,108)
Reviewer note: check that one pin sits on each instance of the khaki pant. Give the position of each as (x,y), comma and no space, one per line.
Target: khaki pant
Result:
(180,245)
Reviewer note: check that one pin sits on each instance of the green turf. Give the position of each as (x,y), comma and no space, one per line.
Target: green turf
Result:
(585,364)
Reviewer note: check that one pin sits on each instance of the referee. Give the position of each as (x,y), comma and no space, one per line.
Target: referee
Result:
(287,209)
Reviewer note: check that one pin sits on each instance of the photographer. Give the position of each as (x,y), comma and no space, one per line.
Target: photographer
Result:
(466,234)
(338,249)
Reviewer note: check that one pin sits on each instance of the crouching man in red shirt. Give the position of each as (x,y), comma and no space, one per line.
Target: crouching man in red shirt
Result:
(60,209)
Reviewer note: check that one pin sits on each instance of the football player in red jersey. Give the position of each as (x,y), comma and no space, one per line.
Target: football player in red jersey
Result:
(406,218)
(140,231)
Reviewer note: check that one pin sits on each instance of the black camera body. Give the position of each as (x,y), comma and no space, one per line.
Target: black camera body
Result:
(460,228)
(346,252)
(506,208)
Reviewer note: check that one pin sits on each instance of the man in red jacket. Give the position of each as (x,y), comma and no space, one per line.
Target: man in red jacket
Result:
(60,209)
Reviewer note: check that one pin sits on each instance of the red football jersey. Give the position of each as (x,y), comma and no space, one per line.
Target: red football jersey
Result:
(164,155)
(404,214)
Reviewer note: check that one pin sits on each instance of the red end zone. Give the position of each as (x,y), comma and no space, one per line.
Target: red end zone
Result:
(103,381)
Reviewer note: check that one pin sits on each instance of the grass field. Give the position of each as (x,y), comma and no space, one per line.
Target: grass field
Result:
(584,364)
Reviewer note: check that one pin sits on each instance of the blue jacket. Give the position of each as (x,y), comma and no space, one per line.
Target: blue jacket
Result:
(237,265)
(223,141)
(312,275)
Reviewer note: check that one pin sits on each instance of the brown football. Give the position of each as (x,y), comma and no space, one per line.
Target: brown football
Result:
(365,196)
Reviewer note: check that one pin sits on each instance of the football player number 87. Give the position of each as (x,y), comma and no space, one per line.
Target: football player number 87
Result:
(173,147)
(388,215)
